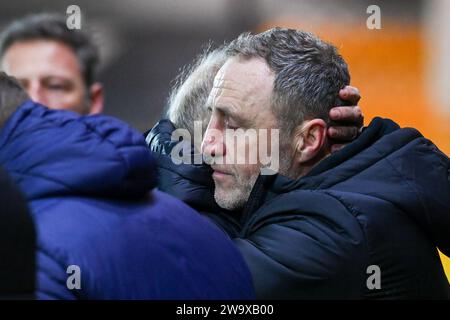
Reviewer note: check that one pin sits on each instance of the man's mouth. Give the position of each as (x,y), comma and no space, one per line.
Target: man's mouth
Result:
(220,174)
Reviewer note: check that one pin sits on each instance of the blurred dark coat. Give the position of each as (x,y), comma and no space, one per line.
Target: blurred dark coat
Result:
(89,181)
(17,243)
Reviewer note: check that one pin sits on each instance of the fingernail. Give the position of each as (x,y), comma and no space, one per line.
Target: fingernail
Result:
(335,113)
(332,132)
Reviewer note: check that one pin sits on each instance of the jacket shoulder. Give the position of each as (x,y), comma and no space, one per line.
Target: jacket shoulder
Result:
(310,242)
(116,244)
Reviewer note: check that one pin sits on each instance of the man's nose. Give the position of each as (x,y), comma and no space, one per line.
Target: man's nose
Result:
(213,144)
(35,92)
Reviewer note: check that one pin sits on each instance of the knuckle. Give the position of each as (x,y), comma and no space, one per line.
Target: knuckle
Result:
(334,132)
(354,133)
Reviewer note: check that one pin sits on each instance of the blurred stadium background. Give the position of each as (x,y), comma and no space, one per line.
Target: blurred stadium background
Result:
(402,70)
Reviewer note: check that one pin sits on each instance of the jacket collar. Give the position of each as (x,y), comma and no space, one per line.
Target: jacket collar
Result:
(331,170)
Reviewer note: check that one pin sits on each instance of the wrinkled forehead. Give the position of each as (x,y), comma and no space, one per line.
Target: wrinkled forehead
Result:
(244,79)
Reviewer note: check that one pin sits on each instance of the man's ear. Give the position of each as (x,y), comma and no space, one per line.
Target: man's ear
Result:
(309,138)
(96,98)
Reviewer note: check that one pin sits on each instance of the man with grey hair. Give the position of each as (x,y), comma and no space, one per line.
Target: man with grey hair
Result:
(187,104)
(187,101)
(363,222)
(306,75)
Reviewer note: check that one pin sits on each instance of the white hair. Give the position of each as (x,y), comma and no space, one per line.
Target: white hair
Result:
(187,101)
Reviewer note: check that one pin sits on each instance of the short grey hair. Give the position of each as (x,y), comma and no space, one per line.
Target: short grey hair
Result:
(12,95)
(309,73)
(187,101)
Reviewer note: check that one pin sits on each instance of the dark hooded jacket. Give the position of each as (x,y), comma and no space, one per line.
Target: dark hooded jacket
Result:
(364,223)
(103,233)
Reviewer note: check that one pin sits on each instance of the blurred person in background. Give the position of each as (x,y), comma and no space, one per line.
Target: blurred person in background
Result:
(55,65)
(17,233)
(89,182)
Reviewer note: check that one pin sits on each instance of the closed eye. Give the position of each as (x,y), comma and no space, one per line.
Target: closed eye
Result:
(230,124)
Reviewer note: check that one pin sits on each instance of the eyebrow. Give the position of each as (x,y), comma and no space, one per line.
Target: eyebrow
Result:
(228,113)
(54,77)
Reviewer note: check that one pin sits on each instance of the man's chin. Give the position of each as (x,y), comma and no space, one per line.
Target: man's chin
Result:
(229,198)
